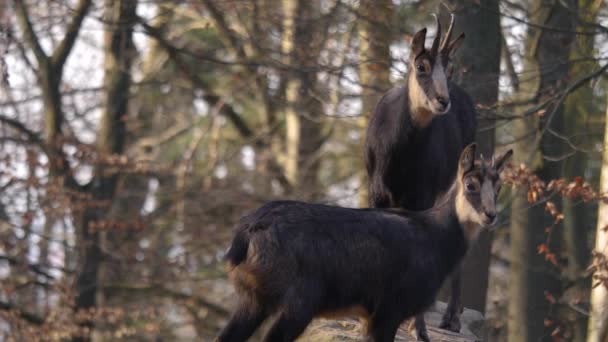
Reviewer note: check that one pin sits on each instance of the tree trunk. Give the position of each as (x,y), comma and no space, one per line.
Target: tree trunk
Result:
(531,276)
(477,69)
(374,68)
(304,113)
(578,114)
(597,331)
(119,53)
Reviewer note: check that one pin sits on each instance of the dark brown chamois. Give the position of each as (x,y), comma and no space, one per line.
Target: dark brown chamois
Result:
(300,260)
(414,139)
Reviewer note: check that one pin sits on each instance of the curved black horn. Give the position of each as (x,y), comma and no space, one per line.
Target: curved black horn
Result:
(437,40)
(448,34)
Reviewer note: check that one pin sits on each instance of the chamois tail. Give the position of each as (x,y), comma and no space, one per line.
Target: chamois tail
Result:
(238,249)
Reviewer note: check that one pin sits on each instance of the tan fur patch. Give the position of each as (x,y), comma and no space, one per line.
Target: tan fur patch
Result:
(469,216)
(419,108)
(243,276)
(356,310)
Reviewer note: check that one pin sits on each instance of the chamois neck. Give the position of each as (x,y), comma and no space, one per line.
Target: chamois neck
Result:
(418,103)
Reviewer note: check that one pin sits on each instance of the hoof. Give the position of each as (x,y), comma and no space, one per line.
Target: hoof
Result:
(423,335)
(451,322)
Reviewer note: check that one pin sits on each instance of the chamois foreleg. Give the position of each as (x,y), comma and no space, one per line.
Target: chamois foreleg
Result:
(420,325)
(379,193)
(451,317)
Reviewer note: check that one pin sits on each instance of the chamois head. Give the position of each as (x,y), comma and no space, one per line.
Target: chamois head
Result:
(427,83)
(479,185)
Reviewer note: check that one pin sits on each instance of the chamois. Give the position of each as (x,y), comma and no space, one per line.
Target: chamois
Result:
(414,139)
(302,260)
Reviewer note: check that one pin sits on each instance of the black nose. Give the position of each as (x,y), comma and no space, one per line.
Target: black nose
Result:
(442,101)
(491,215)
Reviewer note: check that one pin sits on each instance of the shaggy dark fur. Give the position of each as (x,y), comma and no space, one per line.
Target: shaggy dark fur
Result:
(409,166)
(318,259)
(303,260)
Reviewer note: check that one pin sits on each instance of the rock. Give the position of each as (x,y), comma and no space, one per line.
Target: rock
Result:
(351,330)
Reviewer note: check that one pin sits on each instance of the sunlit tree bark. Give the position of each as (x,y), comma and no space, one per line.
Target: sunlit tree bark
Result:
(580,117)
(597,330)
(375,36)
(302,43)
(546,59)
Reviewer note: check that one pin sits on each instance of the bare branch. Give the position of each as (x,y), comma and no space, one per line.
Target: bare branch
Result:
(571,88)
(29,317)
(175,54)
(36,268)
(226,31)
(163,291)
(21,128)
(28,31)
(65,46)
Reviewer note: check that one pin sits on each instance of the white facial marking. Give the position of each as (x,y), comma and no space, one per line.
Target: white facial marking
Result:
(487,193)
(470,219)
(439,79)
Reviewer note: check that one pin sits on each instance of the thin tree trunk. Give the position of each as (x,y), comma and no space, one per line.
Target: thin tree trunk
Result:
(531,278)
(477,69)
(578,113)
(374,69)
(302,44)
(597,330)
(119,54)
(292,121)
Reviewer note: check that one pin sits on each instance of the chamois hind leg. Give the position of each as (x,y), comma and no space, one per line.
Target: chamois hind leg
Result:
(451,317)
(298,309)
(243,323)
(383,326)
(421,333)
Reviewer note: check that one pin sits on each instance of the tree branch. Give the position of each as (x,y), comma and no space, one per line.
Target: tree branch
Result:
(174,53)
(571,88)
(241,126)
(226,31)
(20,127)
(160,290)
(29,317)
(65,46)
(28,31)
(36,268)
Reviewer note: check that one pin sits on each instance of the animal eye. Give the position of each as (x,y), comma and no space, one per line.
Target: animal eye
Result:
(420,67)
(471,186)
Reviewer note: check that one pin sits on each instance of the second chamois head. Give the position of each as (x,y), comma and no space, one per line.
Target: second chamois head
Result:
(479,186)
(427,82)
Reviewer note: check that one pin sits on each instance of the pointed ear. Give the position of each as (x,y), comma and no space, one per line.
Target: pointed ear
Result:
(501,160)
(418,43)
(455,44)
(467,158)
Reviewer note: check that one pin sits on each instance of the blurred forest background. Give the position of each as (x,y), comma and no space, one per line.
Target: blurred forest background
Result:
(134,134)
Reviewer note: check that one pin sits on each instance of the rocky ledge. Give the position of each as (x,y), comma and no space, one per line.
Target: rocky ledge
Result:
(350,330)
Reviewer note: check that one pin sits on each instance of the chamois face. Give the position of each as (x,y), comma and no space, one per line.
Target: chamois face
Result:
(479,187)
(428,84)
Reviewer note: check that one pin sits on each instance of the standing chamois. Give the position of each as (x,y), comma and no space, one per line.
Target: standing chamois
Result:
(414,139)
(301,260)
